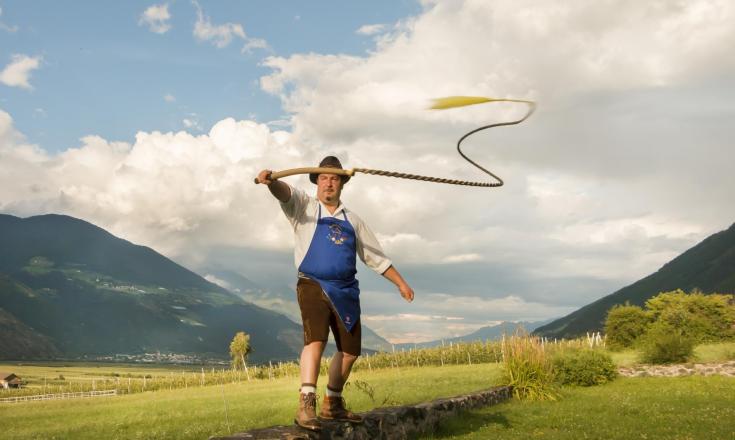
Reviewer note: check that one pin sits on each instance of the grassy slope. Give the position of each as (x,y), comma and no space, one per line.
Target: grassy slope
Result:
(647,408)
(198,413)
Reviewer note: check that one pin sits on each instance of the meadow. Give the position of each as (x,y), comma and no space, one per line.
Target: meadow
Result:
(685,408)
(197,413)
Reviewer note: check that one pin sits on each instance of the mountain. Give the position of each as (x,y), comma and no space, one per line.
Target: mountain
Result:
(709,266)
(279,298)
(488,333)
(71,289)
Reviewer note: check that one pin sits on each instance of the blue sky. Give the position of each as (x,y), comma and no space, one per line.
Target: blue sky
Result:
(150,119)
(104,73)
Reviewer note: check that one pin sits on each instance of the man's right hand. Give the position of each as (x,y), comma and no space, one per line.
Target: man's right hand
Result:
(264,177)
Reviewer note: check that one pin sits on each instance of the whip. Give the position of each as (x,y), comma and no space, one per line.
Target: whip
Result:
(439,104)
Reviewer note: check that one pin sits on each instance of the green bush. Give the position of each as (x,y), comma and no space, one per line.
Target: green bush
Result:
(665,344)
(624,325)
(705,318)
(584,367)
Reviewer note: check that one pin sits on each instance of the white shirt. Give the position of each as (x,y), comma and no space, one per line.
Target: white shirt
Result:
(302,211)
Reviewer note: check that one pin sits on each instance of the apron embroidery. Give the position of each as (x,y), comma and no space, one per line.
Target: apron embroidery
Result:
(331,261)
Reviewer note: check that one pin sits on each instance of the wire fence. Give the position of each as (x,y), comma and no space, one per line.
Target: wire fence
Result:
(463,353)
(59,396)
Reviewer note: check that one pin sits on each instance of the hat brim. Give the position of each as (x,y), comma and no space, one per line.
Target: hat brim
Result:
(313,176)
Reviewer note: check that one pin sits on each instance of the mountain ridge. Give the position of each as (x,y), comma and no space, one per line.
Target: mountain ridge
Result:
(708,266)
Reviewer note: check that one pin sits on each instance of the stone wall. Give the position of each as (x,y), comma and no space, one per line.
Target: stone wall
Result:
(693,369)
(400,422)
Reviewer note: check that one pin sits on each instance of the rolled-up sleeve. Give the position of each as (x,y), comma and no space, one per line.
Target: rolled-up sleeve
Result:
(369,249)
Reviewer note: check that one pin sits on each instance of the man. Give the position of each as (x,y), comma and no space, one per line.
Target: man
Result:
(328,237)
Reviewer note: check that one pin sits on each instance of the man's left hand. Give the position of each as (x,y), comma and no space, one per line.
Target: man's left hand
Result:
(406,292)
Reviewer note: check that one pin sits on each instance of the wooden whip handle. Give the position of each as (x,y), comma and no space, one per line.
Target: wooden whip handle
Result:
(324,170)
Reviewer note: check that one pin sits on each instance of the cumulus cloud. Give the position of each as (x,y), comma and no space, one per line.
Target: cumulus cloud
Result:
(175,192)
(169,98)
(625,164)
(156,18)
(18,72)
(632,100)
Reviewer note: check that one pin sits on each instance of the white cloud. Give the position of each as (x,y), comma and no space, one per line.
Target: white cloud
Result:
(18,72)
(169,98)
(625,164)
(222,35)
(156,17)
(175,192)
(192,122)
(436,316)
(218,281)
(255,43)
(370,29)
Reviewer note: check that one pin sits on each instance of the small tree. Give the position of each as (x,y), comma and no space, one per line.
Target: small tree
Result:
(624,325)
(239,350)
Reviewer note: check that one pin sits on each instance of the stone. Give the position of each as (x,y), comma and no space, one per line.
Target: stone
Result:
(391,423)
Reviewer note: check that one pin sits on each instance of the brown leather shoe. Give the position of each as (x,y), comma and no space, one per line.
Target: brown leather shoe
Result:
(306,415)
(333,408)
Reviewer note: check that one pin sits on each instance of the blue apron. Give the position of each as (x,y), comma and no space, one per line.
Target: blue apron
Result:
(331,261)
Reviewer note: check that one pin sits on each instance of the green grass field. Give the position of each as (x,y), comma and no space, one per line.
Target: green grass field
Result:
(197,413)
(671,408)
(641,408)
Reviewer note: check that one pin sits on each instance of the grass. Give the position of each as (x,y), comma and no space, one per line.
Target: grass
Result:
(677,408)
(641,408)
(198,413)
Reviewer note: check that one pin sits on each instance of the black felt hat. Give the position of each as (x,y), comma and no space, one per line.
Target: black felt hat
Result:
(329,162)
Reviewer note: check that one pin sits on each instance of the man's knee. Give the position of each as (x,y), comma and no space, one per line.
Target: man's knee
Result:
(351,358)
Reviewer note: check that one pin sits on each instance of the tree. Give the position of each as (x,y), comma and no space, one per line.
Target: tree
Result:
(625,324)
(239,350)
(702,317)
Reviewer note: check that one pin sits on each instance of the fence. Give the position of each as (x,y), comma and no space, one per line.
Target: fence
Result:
(59,396)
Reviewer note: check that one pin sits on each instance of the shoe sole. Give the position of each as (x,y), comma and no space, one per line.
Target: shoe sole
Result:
(310,428)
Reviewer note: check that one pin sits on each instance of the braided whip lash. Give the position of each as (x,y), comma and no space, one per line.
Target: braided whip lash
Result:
(439,104)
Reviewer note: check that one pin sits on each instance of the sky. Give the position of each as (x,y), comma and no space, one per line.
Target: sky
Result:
(151,120)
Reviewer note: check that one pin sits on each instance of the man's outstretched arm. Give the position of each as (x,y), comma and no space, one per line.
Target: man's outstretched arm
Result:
(280,190)
(395,277)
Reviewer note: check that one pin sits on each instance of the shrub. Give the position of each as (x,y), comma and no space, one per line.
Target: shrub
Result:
(527,368)
(702,317)
(584,367)
(624,325)
(665,344)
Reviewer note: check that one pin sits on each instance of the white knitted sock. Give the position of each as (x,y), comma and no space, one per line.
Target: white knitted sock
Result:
(306,389)
(331,393)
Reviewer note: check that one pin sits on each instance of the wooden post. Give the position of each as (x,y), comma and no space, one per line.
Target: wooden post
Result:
(245,366)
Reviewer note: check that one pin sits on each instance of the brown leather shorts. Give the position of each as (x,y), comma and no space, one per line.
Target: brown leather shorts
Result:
(318,316)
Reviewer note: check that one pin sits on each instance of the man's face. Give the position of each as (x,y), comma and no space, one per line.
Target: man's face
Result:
(329,188)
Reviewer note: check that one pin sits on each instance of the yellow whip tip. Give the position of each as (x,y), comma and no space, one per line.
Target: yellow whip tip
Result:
(461,101)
